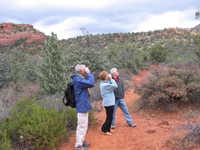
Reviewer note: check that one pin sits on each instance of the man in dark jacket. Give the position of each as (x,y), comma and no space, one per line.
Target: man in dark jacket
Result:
(82,80)
(119,100)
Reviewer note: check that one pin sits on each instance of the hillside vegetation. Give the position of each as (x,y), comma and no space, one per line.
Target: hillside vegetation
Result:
(40,70)
(26,72)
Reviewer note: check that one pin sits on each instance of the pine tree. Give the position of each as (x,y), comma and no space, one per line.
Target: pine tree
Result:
(52,68)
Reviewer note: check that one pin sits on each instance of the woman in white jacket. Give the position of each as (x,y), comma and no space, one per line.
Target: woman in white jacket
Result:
(107,86)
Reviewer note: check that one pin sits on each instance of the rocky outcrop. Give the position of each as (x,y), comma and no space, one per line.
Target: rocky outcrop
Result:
(23,35)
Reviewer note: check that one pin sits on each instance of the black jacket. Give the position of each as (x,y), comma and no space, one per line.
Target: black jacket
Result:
(119,92)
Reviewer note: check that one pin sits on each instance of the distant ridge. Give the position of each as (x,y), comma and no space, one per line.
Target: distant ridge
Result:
(27,37)
(197,27)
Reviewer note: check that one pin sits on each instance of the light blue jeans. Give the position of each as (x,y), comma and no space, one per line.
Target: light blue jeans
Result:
(122,105)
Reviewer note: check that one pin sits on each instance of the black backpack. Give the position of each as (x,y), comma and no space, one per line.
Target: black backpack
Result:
(69,97)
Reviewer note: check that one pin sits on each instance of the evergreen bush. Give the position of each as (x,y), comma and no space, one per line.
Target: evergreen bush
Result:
(52,68)
(158,53)
(31,126)
(126,55)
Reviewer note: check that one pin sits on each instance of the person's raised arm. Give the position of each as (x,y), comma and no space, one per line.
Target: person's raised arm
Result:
(111,85)
(88,82)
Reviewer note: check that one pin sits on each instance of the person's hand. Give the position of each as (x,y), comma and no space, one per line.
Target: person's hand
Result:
(87,70)
(109,76)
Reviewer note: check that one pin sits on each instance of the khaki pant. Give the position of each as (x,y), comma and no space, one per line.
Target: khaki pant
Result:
(82,126)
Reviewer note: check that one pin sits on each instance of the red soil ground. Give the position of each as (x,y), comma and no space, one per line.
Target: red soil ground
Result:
(152,131)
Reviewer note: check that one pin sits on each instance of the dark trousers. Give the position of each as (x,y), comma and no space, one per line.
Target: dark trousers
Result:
(109,116)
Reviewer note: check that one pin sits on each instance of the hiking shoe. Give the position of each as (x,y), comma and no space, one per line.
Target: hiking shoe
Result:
(113,127)
(86,144)
(80,148)
(112,130)
(132,125)
(108,133)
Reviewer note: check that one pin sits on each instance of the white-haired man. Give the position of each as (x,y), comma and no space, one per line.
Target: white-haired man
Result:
(82,80)
(120,101)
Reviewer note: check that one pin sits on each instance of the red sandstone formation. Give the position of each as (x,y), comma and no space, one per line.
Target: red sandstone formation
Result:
(11,33)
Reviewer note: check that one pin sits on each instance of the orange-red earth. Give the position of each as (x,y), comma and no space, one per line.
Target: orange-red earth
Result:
(153,129)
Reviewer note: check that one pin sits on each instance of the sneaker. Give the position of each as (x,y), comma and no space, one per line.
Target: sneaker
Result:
(86,144)
(108,133)
(112,130)
(79,148)
(132,125)
(112,127)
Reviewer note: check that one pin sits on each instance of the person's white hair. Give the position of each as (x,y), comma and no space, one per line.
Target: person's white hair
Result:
(79,67)
(113,70)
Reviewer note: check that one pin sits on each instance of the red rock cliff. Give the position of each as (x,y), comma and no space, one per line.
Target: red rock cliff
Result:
(11,33)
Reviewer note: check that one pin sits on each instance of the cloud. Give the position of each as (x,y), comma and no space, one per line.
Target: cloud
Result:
(12,20)
(69,27)
(183,19)
(72,4)
(110,25)
(66,17)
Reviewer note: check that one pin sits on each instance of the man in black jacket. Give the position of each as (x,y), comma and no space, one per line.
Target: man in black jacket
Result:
(119,100)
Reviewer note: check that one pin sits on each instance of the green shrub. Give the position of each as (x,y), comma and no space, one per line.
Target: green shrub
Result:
(4,70)
(5,141)
(172,85)
(71,115)
(33,127)
(158,53)
(71,118)
(126,55)
(22,67)
(197,50)
(93,58)
(17,67)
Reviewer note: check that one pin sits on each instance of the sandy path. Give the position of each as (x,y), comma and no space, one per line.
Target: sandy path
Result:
(150,134)
(152,131)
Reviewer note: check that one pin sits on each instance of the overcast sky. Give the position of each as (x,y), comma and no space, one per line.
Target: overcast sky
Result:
(66,17)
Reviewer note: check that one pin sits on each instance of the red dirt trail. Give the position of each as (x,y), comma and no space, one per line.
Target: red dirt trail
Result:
(152,131)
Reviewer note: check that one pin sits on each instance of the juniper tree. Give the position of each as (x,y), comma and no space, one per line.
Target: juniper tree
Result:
(158,53)
(127,55)
(52,68)
(93,58)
